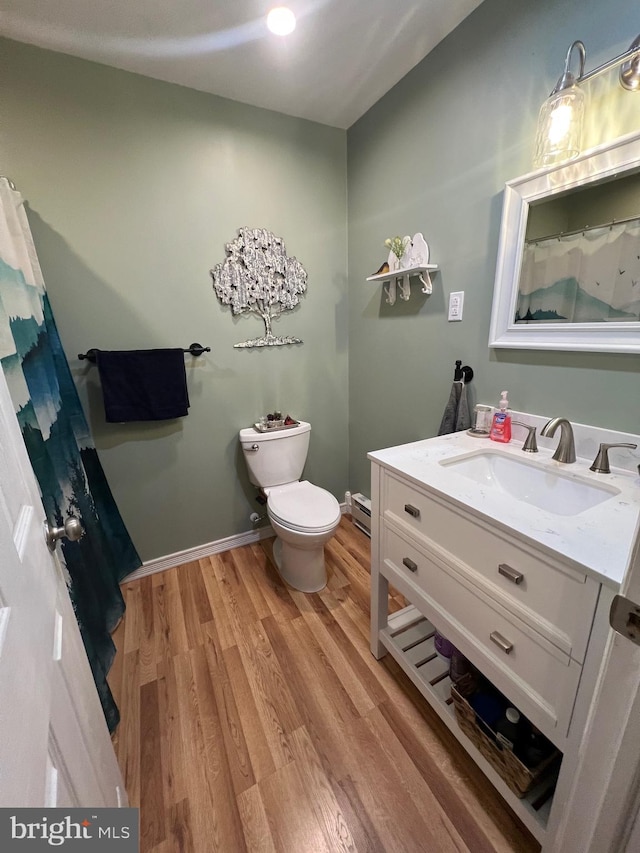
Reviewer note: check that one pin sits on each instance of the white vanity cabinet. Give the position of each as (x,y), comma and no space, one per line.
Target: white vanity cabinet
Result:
(522,615)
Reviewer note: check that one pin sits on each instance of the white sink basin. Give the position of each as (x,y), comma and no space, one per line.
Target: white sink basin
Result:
(532,483)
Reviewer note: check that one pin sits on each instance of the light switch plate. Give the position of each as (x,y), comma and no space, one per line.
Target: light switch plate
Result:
(456,301)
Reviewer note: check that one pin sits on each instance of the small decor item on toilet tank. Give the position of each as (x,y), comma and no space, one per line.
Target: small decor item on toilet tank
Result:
(258,277)
(275,420)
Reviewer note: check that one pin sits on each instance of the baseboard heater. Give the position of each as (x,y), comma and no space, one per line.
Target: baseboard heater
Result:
(361,512)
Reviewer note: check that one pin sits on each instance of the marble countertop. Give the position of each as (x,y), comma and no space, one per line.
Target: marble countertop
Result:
(599,539)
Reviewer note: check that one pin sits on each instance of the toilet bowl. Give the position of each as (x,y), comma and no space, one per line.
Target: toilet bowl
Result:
(304,517)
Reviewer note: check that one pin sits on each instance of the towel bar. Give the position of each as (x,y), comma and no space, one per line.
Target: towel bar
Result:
(193,349)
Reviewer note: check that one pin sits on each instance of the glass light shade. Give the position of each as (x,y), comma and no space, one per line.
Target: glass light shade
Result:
(559,133)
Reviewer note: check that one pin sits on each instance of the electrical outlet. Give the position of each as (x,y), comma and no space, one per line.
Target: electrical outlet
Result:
(456,301)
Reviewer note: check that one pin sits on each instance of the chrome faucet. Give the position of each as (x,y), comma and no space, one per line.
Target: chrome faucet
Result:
(566,450)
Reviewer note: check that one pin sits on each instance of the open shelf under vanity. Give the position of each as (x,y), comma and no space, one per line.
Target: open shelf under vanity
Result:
(409,639)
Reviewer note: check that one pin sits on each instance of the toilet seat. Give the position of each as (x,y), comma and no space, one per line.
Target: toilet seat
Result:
(303,507)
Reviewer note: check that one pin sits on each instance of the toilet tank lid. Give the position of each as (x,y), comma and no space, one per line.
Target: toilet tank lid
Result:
(252,435)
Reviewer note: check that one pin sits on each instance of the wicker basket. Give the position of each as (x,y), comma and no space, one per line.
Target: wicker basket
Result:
(516,775)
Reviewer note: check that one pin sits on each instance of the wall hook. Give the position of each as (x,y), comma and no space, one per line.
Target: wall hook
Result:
(462,374)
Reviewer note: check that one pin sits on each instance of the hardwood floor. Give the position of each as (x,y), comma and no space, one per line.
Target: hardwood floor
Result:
(255,718)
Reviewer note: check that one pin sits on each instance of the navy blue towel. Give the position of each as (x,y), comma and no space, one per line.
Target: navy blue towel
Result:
(143,385)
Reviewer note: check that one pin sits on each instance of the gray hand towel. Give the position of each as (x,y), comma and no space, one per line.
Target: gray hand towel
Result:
(457,416)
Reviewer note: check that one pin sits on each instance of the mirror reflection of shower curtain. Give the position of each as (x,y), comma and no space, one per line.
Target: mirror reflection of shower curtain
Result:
(60,446)
(591,276)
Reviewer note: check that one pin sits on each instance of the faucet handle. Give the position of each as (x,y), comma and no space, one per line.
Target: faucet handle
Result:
(601,462)
(530,444)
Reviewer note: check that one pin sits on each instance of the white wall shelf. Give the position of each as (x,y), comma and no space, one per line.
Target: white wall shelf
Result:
(414,263)
(401,279)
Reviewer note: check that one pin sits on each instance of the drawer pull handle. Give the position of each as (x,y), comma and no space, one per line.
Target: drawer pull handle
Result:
(413,567)
(500,641)
(412,510)
(510,574)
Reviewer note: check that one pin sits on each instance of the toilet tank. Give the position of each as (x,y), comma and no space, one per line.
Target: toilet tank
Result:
(277,457)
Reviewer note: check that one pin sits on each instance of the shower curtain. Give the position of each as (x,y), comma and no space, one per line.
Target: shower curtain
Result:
(587,277)
(59,444)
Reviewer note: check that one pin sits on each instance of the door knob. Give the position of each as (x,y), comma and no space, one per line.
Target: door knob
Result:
(72,530)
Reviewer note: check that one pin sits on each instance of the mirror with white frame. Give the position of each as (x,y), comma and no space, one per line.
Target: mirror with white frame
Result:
(568,271)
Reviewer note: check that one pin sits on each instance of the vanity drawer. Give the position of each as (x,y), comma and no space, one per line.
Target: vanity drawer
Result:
(539,678)
(551,596)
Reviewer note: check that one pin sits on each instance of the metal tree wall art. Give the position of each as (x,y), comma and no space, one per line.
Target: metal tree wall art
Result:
(257,277)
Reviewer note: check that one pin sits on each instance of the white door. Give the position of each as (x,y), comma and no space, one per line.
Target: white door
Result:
(55,747)
(602,814)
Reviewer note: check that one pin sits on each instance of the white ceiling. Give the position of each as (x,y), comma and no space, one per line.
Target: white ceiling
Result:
(341,58)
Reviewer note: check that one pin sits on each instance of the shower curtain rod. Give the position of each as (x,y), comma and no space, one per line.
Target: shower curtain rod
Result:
(582,230)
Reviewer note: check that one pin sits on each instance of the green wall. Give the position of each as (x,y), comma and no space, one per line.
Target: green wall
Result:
(133,187)
(433,155)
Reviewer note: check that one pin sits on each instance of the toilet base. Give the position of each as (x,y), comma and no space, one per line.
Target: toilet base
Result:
(303,569)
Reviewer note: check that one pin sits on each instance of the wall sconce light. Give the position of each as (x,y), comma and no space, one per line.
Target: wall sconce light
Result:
(561,116)
(630,71)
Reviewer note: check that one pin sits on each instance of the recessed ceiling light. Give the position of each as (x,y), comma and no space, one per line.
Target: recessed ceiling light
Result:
(281,21)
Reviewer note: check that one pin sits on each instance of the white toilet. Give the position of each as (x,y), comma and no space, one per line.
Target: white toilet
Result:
(303,516)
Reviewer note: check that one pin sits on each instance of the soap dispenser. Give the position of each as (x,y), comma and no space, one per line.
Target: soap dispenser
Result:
(501,426)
